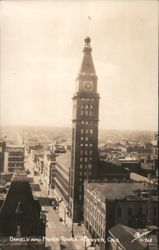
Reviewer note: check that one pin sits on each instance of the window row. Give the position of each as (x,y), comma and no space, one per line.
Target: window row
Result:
(89,166)
(86,173)
(86,145)
(82,138)
(87,106)
(85,152)
(87,112)
(86,131)
(85,159)
(130,211)
(87,122)
(87,99)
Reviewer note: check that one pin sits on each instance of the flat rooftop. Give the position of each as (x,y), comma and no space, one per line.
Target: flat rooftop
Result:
(119,191)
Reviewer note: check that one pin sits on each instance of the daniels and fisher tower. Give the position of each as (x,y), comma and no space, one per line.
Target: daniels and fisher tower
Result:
(84,133)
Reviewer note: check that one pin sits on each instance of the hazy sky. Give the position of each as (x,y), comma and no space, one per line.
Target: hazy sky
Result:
(41,52)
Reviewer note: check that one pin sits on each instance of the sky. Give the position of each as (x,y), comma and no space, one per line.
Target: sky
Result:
(41,46)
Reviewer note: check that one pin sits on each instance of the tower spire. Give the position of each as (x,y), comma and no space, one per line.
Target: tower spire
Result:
(87,66)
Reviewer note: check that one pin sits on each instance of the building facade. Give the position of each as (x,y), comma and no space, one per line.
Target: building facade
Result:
(14,157)
(11,157)
(63,163)
(84,132)
(109,204)
(2,154)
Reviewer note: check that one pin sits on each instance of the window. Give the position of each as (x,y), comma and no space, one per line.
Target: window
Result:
(81,145)
(86,145)
(82,131)
(80,197)
(86,152)
(129,211)
(86,138)
(81,138)
(91,131)
(81,166)
(91,145)
(86,106)
(80,173)
(85,159)
(90,166)
(90,152)
(91,106)
(86,131)
(81,152)
(81,112)
(81,159)
(86,122)
(119,212)
(82,122)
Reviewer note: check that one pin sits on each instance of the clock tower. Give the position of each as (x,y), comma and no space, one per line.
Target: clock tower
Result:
(84,133)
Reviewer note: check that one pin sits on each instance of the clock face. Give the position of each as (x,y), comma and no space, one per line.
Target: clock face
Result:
(88,86)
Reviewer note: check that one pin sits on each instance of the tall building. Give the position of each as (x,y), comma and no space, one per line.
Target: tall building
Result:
(84,132)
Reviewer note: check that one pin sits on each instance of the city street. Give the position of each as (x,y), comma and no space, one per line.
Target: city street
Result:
(58,233)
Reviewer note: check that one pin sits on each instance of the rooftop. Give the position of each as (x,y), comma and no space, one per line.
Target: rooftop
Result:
(126,236)
(112,191)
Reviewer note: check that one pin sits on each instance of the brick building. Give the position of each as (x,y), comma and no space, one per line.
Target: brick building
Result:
(108,204)
(84,132)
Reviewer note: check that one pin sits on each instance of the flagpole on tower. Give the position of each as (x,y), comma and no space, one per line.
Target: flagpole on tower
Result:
(89,21)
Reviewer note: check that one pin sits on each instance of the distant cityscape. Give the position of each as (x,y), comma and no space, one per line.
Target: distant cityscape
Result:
(80,187)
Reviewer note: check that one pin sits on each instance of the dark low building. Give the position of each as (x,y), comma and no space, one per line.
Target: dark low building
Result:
(131,164)
(20,215)
(110,171)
